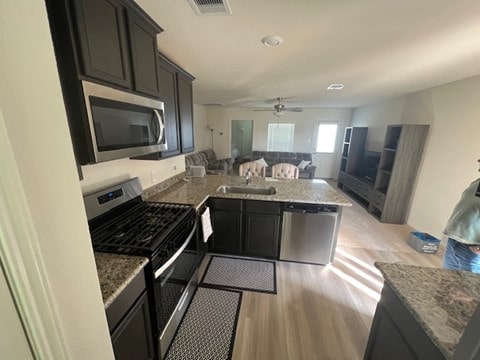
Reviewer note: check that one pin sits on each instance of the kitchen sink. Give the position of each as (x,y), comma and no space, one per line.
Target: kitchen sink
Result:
(255,190)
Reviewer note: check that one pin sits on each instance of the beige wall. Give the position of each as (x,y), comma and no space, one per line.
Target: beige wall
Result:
(34,115)
(220,118)
(449,160)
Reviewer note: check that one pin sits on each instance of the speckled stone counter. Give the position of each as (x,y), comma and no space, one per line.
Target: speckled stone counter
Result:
(442,301)
(195,191)
(115,272)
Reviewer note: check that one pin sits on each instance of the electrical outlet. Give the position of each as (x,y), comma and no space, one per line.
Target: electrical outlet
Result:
(154,176)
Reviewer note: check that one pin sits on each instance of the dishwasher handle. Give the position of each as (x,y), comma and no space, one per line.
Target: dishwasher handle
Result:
(310,208)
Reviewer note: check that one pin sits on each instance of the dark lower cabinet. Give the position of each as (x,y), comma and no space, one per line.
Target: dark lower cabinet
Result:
(227,225)
(245,227)
(132,340)
(261,235)
(262,228)
(129,322)
(396,335)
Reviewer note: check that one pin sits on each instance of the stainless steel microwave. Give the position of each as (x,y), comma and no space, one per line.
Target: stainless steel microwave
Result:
(123,124)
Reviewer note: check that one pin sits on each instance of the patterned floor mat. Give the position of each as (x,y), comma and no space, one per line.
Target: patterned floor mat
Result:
(207,331)
(241,274)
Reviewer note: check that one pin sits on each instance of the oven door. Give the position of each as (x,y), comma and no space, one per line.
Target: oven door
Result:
(174,285)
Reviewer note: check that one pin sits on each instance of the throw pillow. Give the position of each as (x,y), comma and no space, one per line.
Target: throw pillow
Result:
(303,164)
(262,162)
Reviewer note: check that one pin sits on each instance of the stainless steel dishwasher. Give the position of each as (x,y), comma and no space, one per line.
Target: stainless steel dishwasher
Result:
(309,233)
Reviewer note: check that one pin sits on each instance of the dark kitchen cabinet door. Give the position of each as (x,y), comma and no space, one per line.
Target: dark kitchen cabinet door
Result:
(132,339)
(227,236)
(143,48)
(262,234)
(103,41)
(185,112)
(168,93)
(262,228)
(227,225)
(246,227)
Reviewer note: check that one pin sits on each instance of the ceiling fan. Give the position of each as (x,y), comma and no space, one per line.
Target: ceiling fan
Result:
(279,109)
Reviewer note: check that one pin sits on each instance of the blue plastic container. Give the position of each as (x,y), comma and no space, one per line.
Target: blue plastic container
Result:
(423,242)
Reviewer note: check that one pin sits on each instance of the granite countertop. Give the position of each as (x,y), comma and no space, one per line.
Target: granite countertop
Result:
(442,301)
(115,271)
(194,191)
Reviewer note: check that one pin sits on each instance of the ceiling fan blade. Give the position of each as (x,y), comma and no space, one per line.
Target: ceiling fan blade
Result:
(263,110)
(294,109)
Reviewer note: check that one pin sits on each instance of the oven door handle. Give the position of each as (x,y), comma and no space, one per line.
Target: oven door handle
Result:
(170,261)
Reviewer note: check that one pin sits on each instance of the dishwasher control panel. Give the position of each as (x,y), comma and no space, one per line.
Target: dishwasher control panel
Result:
(310,208)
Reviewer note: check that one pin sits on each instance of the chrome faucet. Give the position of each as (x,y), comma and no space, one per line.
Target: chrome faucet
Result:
(248,176)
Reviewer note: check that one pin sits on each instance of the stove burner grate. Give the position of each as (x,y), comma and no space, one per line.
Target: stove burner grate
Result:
(140,229)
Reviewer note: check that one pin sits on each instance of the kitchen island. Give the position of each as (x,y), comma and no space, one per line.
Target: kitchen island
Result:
(194,191)
(249,219)
(422,313)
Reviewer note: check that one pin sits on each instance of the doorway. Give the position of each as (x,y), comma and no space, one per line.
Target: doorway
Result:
(325,149)
(242,138)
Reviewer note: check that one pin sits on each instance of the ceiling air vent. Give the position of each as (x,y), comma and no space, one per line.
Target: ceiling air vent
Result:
(210,7)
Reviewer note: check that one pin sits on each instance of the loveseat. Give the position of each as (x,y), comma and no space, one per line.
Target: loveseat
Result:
(208,159)
(276,157)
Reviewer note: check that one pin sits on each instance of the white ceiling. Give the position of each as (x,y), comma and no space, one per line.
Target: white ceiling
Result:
(379,49)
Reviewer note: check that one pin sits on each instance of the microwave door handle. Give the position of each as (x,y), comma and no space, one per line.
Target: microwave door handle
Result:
(161,126)
(170,261)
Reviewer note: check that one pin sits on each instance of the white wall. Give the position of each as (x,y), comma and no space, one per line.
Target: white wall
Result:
(34,115)
(452,148)
(220,118)
(203,136)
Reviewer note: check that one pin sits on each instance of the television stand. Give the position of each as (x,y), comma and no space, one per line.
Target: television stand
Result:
(388,197)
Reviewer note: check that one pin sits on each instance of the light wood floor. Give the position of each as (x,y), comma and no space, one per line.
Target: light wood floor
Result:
(325,312)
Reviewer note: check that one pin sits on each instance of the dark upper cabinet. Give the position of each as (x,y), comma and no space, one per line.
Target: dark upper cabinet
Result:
(117,44)
(167,81)
(185,112)
(102,41)
(143,49)
(175,86)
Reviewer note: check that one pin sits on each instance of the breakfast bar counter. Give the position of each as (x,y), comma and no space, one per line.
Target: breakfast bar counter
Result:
(195,191)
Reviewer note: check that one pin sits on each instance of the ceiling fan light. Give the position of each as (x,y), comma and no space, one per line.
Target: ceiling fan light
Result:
(272,40)
(335,87)
(278,113)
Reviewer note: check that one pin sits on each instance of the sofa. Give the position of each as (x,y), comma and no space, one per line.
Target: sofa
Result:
(276,157)
(208,159)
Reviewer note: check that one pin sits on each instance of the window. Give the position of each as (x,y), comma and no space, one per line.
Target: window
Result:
(327,133)
(280,137)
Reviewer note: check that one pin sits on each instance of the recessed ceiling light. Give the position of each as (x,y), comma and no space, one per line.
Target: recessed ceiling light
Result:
(272,40)
(335,87)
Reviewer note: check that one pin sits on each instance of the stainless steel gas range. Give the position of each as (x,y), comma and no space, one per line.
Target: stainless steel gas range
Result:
(121,222)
